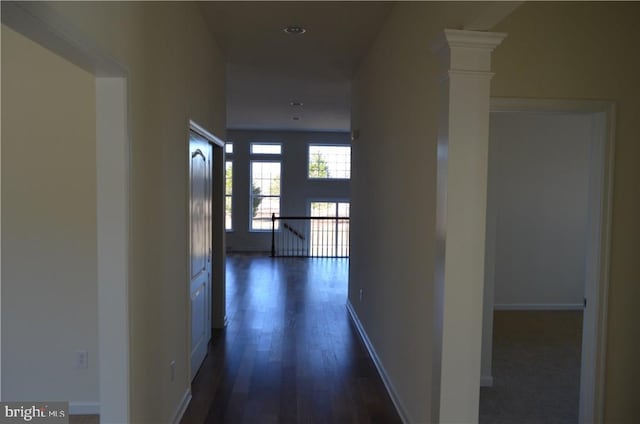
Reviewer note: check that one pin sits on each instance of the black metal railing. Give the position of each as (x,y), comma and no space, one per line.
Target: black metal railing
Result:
(310,236)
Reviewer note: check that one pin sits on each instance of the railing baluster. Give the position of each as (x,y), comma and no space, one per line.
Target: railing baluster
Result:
(312,237)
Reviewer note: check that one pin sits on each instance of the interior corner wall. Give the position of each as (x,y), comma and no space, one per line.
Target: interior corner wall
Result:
(176,72)
(297,189)
(586,50)
(395,109)
(49,238)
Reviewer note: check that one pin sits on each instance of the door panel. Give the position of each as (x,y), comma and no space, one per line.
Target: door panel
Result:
(199,320)
(200,186)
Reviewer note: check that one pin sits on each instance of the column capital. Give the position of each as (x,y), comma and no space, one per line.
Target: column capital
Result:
(462,50)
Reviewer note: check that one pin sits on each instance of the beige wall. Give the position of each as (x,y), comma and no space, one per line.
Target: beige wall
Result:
(590,51)
(176,73)
(553,50)
(393,191)
(49,292)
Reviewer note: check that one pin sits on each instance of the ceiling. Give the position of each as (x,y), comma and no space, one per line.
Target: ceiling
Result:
(268,69)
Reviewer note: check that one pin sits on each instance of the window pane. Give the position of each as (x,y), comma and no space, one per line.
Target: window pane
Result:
(228,190)
(329,161)
(266,206)
(266,177)
(323,209)
(228,223)
(228,147)
(329,237)
(343,210)
(265,193)
(228,176)
(266,148)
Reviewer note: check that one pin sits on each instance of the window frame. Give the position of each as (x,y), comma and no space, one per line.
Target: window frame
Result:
(308,159)
(253,144)
(230,195)
(263,158)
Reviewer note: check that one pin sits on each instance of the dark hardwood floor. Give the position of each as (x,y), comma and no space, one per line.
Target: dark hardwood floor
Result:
(290,353)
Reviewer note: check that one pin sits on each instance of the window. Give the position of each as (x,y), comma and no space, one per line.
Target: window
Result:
(228,191)
(329,237)
(329,162)
(228,148)
(265,193)
(266,148)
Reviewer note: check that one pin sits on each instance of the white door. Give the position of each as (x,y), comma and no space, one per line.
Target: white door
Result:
(200,152)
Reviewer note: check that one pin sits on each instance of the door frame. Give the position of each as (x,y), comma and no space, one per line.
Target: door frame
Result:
(38,22)
(601,168)
(217,235)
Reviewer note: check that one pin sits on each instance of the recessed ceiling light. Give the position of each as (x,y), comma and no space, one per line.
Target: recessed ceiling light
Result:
(295,103)
(296,118)
(294,30)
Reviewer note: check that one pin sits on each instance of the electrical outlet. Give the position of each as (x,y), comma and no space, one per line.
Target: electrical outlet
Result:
(82,359)
(172,370)
(361,294)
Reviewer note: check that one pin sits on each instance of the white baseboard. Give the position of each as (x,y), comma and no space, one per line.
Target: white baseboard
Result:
(404,416)
(538,307)
(182,407)
(84,408)
(486,381)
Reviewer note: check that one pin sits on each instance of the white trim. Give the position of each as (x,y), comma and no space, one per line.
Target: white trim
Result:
(547,106)
(84,408)
(486,381)
(538,307)
(460,38)
(113,217)
(397,402)
(40,23)
(594,334)
(198,129)
(182,407)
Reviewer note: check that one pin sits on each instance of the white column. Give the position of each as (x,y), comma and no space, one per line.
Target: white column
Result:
(113,209)
(463,144)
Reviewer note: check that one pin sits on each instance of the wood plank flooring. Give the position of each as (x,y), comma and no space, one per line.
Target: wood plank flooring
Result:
(290,353)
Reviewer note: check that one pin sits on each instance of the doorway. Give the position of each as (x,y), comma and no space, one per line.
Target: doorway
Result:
(547,244)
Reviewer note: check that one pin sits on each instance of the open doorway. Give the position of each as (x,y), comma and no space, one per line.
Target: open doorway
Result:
(546,260)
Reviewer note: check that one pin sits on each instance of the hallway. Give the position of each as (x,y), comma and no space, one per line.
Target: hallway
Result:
(289,353)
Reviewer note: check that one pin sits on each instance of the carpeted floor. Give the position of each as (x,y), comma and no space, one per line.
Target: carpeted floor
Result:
(536,368)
